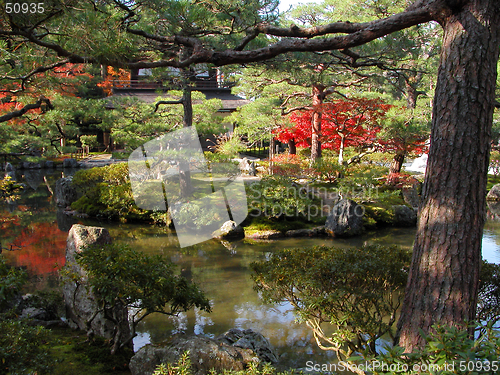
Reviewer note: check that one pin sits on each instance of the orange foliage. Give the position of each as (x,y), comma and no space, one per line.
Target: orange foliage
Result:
(113,75)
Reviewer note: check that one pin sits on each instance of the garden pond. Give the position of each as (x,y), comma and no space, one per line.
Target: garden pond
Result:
(36,232)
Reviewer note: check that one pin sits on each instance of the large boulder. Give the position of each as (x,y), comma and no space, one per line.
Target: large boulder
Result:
(9,167)
(49,164)
(70,163)
(404,216)
(312,232)
(493,210)
(410,195)
(230,230)
(234,350)
(248,167)
(29,165)
(65,193)
(494,193)
(249,339)
(79,299)
(345,219)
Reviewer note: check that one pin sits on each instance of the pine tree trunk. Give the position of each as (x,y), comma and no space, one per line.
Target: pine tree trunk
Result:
(317,100)
(443,280)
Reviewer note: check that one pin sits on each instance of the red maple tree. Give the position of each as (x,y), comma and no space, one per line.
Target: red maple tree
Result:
(344,123)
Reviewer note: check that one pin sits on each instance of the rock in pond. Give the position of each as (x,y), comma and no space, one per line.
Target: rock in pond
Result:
(229,231)
(494,193)
(70,163)
(345,219)
(234,350)
(312,232)
(65,193)
(79,299)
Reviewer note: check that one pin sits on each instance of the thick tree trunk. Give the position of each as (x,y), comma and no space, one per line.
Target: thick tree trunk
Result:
(443,280)
(395,168)
(317,100)
(411,95)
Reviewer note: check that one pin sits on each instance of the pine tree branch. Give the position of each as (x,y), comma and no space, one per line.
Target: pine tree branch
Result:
(26,108)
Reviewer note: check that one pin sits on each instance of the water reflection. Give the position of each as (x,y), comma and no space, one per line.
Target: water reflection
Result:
(221,269)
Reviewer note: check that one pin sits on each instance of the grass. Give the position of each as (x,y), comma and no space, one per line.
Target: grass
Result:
(262,224)
(492,180)
(75,355)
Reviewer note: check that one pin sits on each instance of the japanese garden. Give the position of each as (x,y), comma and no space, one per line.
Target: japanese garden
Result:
(249,187)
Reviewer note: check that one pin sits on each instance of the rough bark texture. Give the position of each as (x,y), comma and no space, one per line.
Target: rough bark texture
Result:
(443,280)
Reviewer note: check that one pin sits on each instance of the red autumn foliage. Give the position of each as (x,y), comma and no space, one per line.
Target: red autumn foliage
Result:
(40,247)
(344,123)
(287,165)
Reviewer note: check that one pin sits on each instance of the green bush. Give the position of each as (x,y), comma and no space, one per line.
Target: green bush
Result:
(23,350)
(106,192)
(121,276)
(278,197)
(327,169)
(89,140)
(448,350)
(358,291)
(183,367)
(11,281)
(9,189)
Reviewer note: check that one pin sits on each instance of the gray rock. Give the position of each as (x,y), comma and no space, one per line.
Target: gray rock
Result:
(313,232)
(248,167)
(48,164)
(494,193)
(249,339)
(410,196)
(252,170)
(345,219)
(33,313)
(265,235)
(30,165)
(65,193)
(493,210)
(229,231)
(79,299)
(9,167)
(234,352)
(70,163)
(404,216)
(33,177)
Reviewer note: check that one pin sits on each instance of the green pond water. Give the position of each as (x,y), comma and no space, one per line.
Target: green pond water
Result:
(37,233)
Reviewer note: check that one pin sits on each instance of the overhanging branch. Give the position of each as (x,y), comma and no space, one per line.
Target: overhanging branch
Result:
(293,39)
(167,102)
(26,108)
